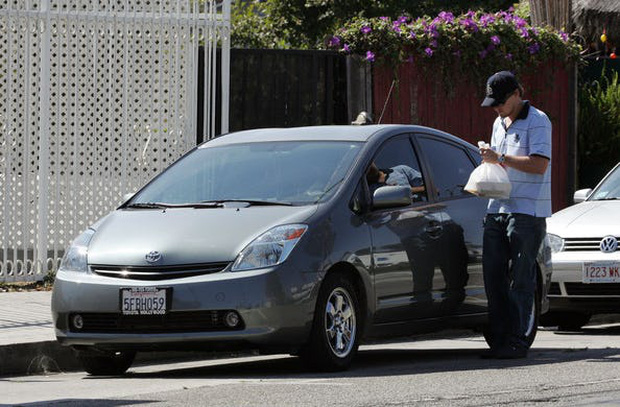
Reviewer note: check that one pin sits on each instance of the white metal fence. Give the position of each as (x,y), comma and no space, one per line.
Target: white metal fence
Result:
(96,97)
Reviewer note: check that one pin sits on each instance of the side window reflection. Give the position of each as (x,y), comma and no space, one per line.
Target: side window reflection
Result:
(396,164)
(449,179)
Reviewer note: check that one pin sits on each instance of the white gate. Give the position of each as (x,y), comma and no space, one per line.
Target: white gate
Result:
(96,97)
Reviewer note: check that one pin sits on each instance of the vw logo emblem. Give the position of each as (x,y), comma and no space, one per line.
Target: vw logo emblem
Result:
(609,244)
(153,256)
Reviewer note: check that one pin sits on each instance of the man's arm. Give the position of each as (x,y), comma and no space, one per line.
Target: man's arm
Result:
(535,164)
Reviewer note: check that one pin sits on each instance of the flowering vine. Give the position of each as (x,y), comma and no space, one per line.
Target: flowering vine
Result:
(477,43)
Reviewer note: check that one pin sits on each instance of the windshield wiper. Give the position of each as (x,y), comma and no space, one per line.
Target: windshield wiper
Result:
(148,205)
(611,198)
(159,205)
(251,202)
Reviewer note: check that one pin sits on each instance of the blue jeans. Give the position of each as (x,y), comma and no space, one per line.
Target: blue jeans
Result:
(510,246)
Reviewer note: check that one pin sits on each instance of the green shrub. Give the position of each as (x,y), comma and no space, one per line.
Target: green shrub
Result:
(598,129)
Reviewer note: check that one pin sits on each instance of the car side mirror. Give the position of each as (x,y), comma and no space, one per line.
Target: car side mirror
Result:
(581,195)
(391,197)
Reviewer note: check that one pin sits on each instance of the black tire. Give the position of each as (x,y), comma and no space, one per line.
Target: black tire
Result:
(565,320)
(335,331)
(105,364)
(532,329)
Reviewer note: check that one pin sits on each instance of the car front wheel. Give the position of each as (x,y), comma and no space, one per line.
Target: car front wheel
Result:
(334,338)
(98,363)
(565,321)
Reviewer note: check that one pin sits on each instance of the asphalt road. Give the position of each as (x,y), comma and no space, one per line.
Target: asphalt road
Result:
(563,369)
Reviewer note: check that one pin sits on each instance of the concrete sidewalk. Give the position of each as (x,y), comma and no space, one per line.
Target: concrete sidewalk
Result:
(27,341)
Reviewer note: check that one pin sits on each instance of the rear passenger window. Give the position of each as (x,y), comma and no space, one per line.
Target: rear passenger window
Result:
(450,167)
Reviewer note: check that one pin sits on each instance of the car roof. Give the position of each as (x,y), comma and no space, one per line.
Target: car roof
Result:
(313,133)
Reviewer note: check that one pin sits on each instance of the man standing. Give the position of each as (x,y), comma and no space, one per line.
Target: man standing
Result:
(515,227)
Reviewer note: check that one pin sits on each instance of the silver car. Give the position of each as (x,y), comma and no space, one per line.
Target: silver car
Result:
(586,260)
(274,240)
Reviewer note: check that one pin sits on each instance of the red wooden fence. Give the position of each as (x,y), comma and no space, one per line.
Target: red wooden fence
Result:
(417,98)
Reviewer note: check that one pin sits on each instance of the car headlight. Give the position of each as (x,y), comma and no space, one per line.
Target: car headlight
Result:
(75,259)
(556,243)
(269,249)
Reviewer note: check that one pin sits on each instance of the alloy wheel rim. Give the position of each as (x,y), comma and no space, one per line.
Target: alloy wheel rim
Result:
(340,322)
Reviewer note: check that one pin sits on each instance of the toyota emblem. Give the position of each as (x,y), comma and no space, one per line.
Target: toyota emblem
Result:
(153,256)
(609,244)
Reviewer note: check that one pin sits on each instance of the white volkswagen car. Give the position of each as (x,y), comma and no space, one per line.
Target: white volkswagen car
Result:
(586,260)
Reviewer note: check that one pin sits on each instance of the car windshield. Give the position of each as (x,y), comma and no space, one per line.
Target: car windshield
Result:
(609,188)
(261,173)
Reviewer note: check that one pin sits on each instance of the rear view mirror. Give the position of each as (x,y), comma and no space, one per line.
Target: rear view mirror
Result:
(391,197)
(581,195)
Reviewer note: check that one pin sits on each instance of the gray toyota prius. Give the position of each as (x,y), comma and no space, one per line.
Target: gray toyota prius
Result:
(305,241)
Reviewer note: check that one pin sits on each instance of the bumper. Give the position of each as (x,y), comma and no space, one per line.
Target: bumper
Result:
(569,293)
(276,307)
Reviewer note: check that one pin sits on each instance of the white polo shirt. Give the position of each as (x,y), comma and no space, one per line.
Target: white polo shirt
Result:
(529,134)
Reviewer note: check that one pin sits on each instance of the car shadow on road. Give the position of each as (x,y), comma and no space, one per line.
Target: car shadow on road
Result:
(378,362)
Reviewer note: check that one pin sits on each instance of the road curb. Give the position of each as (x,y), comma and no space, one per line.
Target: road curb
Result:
(46,357)
(36,358)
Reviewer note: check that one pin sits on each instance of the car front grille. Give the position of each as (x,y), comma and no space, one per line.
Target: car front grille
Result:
(554,289)
(592,289)
(583,244)
(173,322)
(158,272)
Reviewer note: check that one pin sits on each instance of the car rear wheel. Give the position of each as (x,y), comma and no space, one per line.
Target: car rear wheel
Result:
(105,364)
(566,321)
(334,338)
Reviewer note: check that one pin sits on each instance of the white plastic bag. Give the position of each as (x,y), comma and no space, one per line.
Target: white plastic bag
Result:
(489,181)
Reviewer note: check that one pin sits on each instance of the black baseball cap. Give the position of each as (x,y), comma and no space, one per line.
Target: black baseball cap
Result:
(499,86)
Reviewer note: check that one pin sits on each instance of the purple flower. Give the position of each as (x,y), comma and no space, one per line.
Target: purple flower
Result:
(508,56)
(402,19)
(428,51)
(396,27)
(534,48)
(525,33)
(383,18)
(412,35)
(564,36)
(519,22)
(366,29)
(495,40)
(487,19)
(346,48)
(483,54)
(434,44)
(469,24)
(370,56)
(446,16)
(333,41)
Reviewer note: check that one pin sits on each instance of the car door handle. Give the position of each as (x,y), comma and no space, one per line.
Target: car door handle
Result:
(434,229)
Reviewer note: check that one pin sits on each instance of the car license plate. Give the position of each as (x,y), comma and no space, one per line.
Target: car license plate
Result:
(145,300)
(601,272)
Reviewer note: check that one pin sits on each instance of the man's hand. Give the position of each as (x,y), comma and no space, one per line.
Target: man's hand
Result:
(535,164)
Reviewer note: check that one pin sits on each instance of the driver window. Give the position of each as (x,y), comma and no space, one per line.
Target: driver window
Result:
(396,164)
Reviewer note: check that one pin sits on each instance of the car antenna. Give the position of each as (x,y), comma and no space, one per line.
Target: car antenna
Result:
(386,100)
